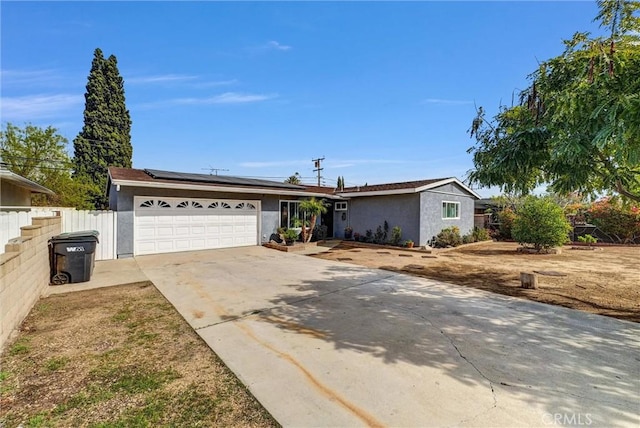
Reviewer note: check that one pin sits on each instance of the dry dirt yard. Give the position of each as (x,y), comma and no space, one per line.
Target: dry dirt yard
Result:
(117,357)
(604,281)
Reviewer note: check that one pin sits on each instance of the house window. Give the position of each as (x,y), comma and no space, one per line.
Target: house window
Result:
(450,210)
(340,206)
(290,214)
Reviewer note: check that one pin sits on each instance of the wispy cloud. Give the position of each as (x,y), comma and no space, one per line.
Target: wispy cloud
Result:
(442,101)
(277,46)
(272,164)
(217,83)
(270,46)
(355,162)
(33,107)
(28,77)
(163,78)
(225,98)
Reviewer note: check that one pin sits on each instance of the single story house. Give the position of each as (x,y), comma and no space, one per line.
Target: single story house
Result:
(421,208)
(15,190)
(165,211)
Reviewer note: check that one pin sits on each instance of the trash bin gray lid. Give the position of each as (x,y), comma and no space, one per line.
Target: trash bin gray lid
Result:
(78,235)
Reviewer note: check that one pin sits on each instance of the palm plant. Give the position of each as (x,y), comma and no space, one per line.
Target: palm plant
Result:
(314,207)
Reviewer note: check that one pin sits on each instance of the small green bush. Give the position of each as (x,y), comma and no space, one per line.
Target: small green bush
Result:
(468,239)
(396,235)
(540,223)
(449,237)
(290,235)
(587,239)
(481,234)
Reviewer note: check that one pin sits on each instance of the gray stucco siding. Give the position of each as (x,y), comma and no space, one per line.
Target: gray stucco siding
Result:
(431,221)
(369,212)
(451,188)
(122,202)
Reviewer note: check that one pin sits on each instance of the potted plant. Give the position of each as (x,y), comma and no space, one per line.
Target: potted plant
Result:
(348,232)
(290,235)
(408,243)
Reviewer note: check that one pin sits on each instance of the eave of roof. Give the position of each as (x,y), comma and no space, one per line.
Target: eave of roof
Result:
(19,180)
(404,188)
(130,177)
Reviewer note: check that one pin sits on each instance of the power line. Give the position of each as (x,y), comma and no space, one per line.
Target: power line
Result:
(53,168)
(11,157)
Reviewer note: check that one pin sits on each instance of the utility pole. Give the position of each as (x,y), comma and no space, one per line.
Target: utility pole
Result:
(317,163)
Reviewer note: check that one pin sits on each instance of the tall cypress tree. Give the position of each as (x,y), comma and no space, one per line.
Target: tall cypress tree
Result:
(105,139)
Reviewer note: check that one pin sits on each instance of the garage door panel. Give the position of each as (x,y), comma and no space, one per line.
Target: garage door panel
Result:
(162,226)
(198,230)
(164,246)
(226,228)
(163,231)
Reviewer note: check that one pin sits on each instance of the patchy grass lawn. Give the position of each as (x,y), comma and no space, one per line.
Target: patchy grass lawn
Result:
(605,281)
(117,357)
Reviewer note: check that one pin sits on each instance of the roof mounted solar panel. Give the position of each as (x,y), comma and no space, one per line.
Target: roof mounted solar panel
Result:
(219,179)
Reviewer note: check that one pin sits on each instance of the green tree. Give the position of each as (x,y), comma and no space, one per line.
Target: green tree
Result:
(540,223)
(314,207)
(41,156)
(105,139)
(294,179)
(577,126)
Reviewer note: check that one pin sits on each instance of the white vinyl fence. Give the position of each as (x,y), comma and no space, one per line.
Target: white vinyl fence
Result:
(104,222)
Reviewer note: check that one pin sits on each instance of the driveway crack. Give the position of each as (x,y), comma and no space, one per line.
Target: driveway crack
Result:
(467,360)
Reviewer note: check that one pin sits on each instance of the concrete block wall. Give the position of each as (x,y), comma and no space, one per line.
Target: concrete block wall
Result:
(24,272)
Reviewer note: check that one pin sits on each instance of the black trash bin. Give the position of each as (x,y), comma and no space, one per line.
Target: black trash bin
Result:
(72,256)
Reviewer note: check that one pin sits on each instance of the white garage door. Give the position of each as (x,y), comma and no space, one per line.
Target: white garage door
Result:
(165,225)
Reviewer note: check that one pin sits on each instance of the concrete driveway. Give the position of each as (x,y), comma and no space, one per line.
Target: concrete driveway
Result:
(322,343)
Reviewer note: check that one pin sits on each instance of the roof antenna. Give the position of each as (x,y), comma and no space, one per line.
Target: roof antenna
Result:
(212,170)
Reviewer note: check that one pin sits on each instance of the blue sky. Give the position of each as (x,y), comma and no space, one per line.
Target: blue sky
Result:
(385,91)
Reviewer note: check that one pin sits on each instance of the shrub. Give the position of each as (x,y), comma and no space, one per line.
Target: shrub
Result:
(506,218)
(587,239)
(481,234)
(290,235)
(396,235)
(449,237)
(620,222)
(540,223)
(468,239)
(368,235)
(379,236)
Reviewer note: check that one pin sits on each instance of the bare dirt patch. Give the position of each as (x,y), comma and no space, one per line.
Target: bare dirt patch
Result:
(119,356)
(604,281)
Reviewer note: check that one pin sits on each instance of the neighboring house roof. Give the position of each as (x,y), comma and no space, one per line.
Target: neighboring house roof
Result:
(329,191)
(216,183)
(402,188)
(20,181)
